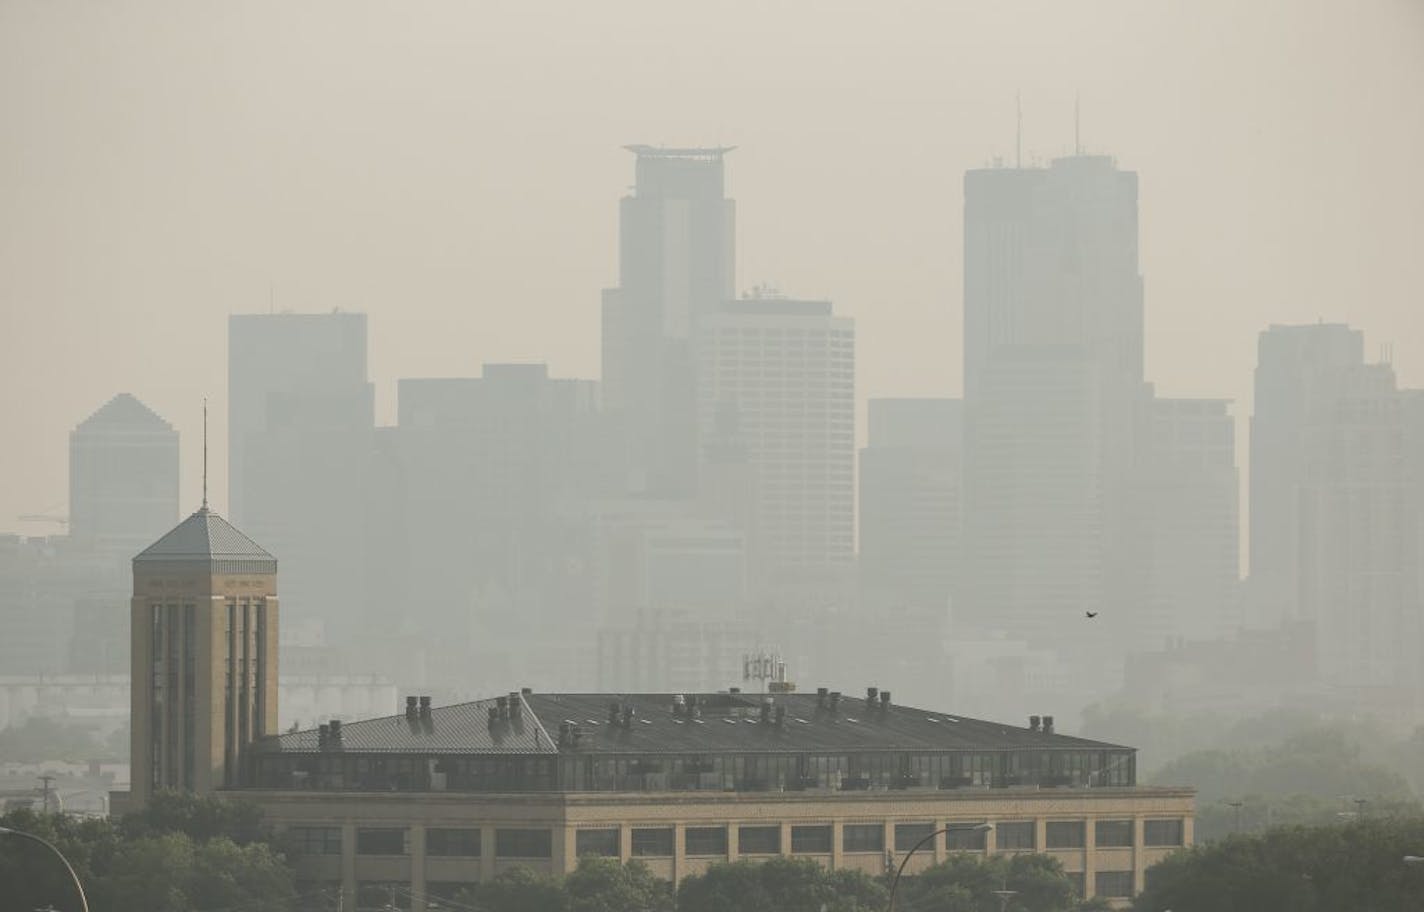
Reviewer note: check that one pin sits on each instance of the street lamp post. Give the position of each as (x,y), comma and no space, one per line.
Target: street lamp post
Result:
(79,888)
(952,828)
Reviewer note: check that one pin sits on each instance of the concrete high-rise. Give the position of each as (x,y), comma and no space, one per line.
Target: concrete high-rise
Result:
(910,517)
(123,477)
(1190,493)
(1053,380)
(301,431)
(676,264)
(287,370)
(204,623)
(1298,368)
(785,370)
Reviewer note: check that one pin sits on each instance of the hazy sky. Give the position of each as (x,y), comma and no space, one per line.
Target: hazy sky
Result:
(453,169)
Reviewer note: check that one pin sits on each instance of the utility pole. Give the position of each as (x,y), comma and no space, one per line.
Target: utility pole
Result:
(46,779)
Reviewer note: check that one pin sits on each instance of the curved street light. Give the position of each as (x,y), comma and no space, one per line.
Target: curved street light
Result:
(83,901)
(952,828)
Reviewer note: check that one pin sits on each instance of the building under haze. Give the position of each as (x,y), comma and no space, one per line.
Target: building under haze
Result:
(676,263)
(1296,368)
(495,474)
(300,450)
(910,499)
(1189,493)
(1053,381)
(123,477)
(784,370)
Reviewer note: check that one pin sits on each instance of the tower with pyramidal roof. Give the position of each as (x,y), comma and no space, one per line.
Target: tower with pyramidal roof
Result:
(204,667)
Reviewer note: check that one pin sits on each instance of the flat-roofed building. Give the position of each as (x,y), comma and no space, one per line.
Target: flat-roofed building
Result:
(438,798)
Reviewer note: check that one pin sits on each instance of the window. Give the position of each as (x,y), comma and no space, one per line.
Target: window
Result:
(597,842)
(461,842)
(705,840)
(652,841)
(964,838)
(523,843)
(1110,834)
(317,840)
(814,840)
(380,841)
(863,837)
(1113,884)
(1015,834)
(759,840)
(908,835)
(1076,879)
(1065,834)
(1162,832)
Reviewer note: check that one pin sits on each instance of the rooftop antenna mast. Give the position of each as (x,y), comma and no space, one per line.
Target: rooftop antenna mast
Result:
(1018,132)
(1077,142)
(205,453)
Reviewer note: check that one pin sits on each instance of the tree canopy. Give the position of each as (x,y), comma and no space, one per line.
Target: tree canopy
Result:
(1354,865)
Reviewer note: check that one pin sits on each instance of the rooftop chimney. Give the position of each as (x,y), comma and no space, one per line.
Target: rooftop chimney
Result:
(884,699)
(425,707)
(835,701)
(410,710)
(871,695)
(1048,725)
(1034,723)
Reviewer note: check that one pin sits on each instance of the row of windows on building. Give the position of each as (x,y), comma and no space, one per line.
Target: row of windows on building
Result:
(752,839)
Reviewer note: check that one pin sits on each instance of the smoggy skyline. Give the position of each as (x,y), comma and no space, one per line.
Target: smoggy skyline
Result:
(454,172)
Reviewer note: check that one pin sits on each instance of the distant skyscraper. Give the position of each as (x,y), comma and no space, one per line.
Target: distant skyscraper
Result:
(286,370)
(1359,551)
(301,426)
(784,371)
(676,263)
(1190,524)
(1298,369)
(910,499)
(1053,341)
(123,477)
(496,470)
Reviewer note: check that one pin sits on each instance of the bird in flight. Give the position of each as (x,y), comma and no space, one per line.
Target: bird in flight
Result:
(1091,614)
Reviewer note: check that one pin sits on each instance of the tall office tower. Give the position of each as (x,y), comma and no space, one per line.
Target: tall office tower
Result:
(123,477)
(1297,369)
(910,500)
(204,656)
(1359,554)
(496,471)
(301,425)
(1053,382)
(1190,523)
(676,264)
(786,370)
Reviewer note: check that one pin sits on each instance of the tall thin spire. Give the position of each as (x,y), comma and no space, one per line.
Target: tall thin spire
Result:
(1018,131)
(205,452)
(1077,140)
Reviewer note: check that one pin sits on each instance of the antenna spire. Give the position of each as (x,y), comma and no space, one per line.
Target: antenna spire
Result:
(1077,142)
(205,453)
(1018,132)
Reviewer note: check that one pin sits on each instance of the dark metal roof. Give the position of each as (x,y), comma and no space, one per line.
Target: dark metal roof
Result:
(207,537)
(729,723)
